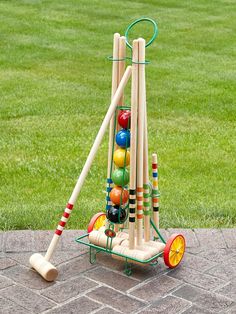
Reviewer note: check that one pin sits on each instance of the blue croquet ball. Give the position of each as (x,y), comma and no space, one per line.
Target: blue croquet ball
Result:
(123,138)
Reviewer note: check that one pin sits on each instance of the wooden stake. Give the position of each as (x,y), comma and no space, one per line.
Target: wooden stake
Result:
(133,146)
(141,106)
(155,193)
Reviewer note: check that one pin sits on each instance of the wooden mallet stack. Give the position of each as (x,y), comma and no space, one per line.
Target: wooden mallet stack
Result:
(138,246)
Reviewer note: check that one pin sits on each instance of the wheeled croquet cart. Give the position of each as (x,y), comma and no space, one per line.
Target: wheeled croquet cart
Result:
(124,231)
(128,229)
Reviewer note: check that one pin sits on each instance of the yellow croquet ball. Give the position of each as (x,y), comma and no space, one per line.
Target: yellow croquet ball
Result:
(121,157)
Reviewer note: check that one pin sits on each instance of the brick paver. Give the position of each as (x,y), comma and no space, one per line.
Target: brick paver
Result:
(119,301)
(204,283)
(79,305)
(211,301)
(229,237)
(118,281)
(167,305)
(68,289)
(6,262)
(156,288)
(196,278)
(8,306)
(27,298)
(18,241)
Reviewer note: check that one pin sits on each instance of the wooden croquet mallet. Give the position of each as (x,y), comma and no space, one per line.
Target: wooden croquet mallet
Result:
(41,263)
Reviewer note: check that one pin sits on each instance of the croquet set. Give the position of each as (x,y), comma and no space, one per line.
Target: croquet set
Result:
(128,228)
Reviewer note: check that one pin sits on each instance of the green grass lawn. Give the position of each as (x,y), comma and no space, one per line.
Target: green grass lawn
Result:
(55,86)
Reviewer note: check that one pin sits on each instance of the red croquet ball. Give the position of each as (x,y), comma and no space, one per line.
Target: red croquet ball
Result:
(124,119)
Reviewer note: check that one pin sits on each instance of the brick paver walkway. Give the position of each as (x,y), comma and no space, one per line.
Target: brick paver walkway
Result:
(204,283)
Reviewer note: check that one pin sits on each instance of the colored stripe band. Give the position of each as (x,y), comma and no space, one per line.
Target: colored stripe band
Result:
(62,223)
(132,210)
(131,219)
(139,189)
(155,174)
(146,212)
(132,192)
(132,201)
(109,180)
(146,186)
(140,216)
(154,166)
(58,232)
(66,215)
(146,204)
(109,189)
(69,206)
(155,209)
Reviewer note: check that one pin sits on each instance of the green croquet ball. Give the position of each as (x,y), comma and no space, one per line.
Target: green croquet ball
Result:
(120,176)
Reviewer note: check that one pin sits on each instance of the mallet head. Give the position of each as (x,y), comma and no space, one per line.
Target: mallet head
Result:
(43,267)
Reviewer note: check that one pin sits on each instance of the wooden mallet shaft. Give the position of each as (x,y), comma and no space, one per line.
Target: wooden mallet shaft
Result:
(38,262)
(133,146)
(141,106)
(115,78)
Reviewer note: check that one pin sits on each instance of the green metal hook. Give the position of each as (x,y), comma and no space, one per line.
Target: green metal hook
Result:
(147,19)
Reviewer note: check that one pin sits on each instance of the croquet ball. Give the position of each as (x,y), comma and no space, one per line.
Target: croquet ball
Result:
(124,119)
(120,176)
(123,138)
(116,214)
(119,196)
(121,157)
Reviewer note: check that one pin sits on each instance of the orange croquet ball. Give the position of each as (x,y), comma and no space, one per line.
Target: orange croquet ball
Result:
(121,157)
(119,196)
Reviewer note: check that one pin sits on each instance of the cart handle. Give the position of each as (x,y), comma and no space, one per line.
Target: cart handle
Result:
(146,19)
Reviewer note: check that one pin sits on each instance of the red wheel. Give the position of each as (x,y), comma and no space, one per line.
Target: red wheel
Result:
(96,222)
(174,250)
